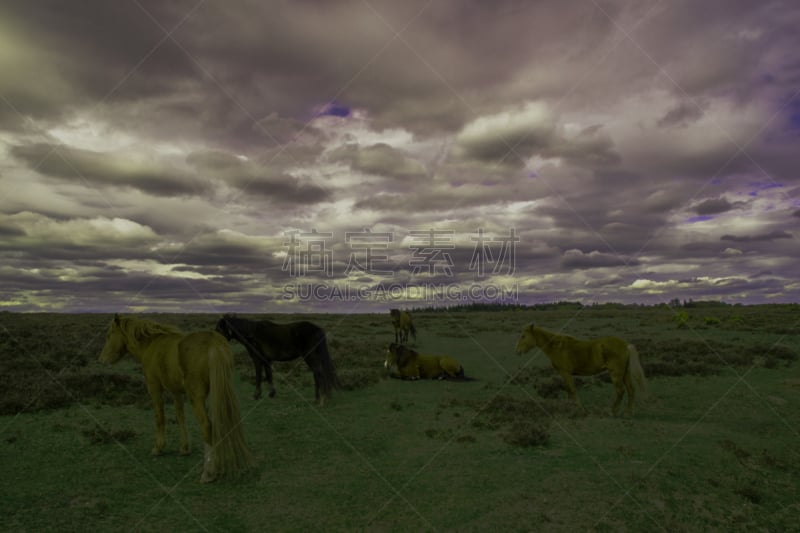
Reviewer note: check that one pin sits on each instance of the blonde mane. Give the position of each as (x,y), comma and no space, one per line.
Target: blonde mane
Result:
(136,330)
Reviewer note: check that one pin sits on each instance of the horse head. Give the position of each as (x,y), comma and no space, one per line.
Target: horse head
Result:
(391,356)
(526,340)
(224,327)
(115,346)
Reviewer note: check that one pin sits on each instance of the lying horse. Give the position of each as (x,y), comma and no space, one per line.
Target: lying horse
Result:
(267,341)
(575,357)
(401,320)
(197,365)
(413,365)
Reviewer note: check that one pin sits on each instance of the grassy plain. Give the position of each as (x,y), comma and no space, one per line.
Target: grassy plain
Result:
(716,446)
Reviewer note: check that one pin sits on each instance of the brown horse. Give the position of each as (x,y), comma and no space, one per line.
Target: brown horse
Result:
(413,365)
(403,325)
(197,365)
(575,357)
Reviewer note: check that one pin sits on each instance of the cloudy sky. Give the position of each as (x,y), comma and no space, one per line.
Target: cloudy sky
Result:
(270,156)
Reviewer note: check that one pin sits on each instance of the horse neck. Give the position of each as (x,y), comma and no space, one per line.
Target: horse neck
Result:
(138,337)
(240,328)
(405,356)
(542,337)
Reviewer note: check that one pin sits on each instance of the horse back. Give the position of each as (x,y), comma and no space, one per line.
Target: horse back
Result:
(162,362)
(193,352)
(589,357)
(288,341)
(451,367)
(429,366)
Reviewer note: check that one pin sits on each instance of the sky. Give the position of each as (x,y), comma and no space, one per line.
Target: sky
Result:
(352,156)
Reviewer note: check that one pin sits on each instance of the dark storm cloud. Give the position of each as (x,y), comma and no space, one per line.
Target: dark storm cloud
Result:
(34,237)
(712,206)
(578,259)
(11,231)
(379,159)
(76,165)
(266,178)
(647,126)
(771,236)
(681,115)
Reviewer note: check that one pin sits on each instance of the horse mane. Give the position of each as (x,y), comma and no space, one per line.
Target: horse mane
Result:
(550,336)
(404,353)
(139,329)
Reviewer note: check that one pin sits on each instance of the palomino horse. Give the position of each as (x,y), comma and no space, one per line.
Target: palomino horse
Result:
(267,342)
(575,357)
(197,365)
(413,365)
(401,320)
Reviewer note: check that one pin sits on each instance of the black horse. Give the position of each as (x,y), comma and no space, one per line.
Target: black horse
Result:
(267,341)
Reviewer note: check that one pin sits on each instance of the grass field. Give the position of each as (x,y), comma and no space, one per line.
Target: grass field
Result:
(716,446)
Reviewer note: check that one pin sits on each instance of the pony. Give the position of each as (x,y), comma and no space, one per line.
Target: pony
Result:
(401,320)
(413,365)
(575,357)
(198,365)
(267,341)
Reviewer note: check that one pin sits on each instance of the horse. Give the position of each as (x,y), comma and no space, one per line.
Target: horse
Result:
(401,320)
(267,341)
(413,365)
(575,357)
(198,365)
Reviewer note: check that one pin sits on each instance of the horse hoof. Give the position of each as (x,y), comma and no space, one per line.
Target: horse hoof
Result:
(185,452)
(272,394)
(207,478)
(257,395)
(155,452)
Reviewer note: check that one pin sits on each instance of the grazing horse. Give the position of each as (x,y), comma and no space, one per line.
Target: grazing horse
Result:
(413,365)
(575,357)
(197,365)
(401,320)
(267,341)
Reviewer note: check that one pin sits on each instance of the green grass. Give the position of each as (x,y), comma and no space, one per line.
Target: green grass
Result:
(715,447)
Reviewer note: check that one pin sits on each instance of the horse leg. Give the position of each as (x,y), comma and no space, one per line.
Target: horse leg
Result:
(209,465)
(573,393)
(181,415)
(259,365)
(268,370)
(619,388)
(319,395)
(631,393)
(158,409)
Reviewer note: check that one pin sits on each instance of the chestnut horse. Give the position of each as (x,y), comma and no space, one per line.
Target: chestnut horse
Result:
(401,320)
(575,357)
(197,365)
(413,365)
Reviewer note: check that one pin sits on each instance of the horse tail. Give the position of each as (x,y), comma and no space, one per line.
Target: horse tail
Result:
(636,372)
(413,330)
(232,455)
(329,379)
